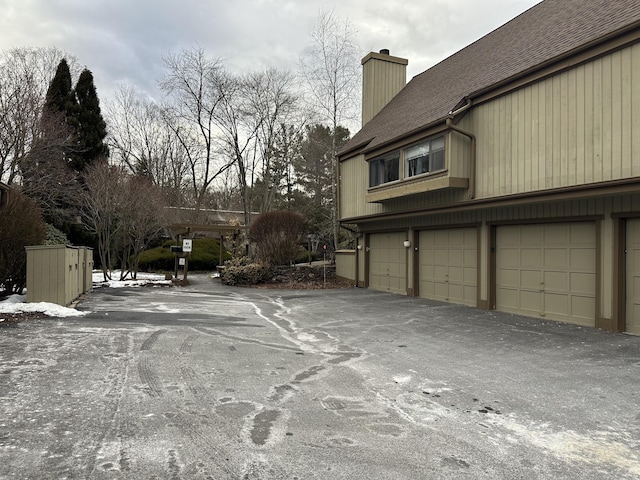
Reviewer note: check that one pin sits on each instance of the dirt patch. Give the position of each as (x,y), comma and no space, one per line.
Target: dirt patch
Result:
(13,318)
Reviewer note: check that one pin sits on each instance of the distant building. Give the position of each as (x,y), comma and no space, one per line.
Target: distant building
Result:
(507,176)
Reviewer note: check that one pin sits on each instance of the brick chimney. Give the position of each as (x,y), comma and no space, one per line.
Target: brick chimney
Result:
(383,76)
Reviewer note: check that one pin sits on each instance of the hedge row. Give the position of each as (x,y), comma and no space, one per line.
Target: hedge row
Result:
(205,256)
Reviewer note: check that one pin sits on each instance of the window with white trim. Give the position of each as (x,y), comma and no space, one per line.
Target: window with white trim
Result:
(425,157)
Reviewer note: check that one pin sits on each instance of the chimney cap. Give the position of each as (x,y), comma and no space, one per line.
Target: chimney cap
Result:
(385,51)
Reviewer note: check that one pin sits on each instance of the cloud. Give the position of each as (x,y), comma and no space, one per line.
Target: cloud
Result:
(123,41)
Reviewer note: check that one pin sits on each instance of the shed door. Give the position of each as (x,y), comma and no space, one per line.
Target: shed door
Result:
(448,265)
(547,270)
(388,262)
(633,277)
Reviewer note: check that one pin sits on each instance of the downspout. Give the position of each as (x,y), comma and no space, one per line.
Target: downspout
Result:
(472,138)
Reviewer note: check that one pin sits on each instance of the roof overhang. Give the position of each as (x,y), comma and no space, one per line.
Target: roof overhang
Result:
(191,228)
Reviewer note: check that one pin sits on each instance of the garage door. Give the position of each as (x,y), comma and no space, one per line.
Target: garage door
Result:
(547,271)
(633,277)
(388,262)
(448,265)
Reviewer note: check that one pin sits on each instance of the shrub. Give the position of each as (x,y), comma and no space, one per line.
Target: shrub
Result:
(244,271)
(277,236)
(55,236)
(21,224)
(204,257)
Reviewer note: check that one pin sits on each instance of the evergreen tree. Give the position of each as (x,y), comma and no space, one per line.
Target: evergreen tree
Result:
(91,127)
(313,170)
(60,99)
(46,176)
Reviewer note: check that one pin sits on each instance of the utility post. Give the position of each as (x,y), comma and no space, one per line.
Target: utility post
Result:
(187,246)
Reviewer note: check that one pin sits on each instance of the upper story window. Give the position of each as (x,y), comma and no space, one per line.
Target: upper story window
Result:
(384,169)
(424,158)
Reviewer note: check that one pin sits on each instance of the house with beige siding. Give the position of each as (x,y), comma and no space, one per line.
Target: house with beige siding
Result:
(507,176)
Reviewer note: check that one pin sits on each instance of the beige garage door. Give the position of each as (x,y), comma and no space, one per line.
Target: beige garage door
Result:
(633,277)
(448,265)
(388,262)
(547,271)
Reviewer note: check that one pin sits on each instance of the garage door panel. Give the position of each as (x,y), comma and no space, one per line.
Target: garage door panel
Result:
(632,315)
(440,272)
(527,257)
(470,275)
(528,235)
(456,275)
(456,293)
(456,257)
(551,273)
(558,281)
(556,304)
(556,258)
(509,277)
(530,279)
(583,283)
(387,262)
(447,265)
(510,258)
(441,291)
(470,259)
(530,301)
(581,233)
(552,235)
(440,256)
(582,259)
(507,298)
(582,308)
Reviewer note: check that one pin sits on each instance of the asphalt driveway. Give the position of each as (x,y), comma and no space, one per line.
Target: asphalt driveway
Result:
(214,382)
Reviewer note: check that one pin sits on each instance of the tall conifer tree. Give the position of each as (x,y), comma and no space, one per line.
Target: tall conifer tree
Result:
(91,127)
(60,100)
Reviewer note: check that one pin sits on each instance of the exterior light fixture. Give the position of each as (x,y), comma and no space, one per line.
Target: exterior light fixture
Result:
(407,243)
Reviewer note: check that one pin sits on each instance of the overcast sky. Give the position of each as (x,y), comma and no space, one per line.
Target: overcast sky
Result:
(123,41)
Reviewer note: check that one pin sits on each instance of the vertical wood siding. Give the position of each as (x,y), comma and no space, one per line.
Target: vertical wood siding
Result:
(573,128)
(354,181)
(382,80)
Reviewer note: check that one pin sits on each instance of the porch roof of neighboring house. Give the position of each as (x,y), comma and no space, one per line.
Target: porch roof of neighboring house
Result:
(544,34)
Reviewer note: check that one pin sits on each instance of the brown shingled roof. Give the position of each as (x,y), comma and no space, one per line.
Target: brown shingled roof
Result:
(547,31)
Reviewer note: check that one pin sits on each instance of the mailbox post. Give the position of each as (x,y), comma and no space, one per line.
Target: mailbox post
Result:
(187,245)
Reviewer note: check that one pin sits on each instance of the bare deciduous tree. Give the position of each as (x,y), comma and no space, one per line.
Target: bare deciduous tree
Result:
(141,221)
(101,209)
(141,140)
(271,102)
(125,212)
(196,85)
(331,70)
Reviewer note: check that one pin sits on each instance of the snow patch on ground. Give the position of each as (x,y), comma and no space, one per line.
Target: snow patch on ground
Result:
(16,304)
(141,280)
(597,448)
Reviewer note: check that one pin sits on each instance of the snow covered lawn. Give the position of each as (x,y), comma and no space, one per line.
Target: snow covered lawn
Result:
(14,308)
(142,280)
